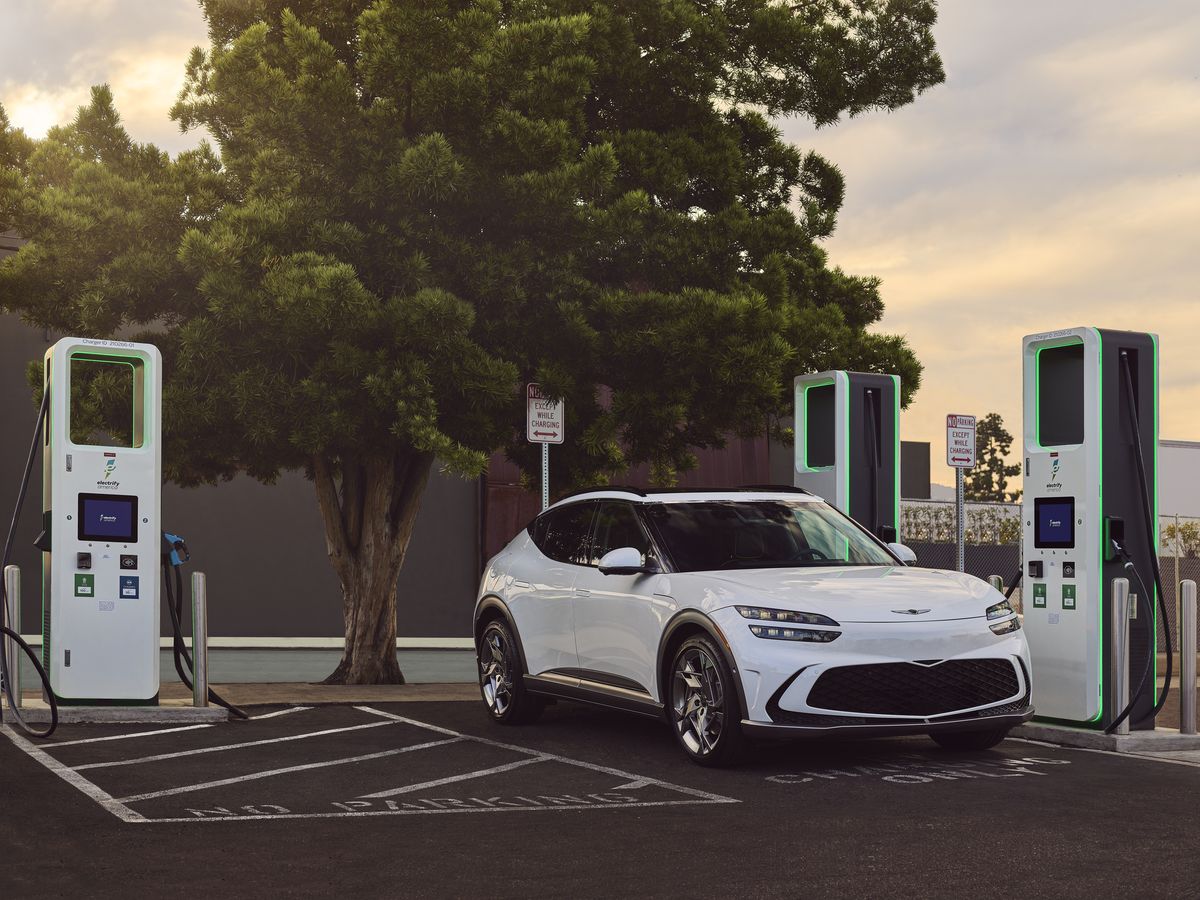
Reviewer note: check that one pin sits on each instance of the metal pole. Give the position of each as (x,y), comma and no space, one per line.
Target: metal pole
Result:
(12,588)
(545,475)
(199,640)
(1178,600)
(997,582)
(1120,649)
(960,519)
(1187,658)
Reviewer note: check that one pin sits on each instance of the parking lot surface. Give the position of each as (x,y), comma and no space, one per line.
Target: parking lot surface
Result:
(431,799)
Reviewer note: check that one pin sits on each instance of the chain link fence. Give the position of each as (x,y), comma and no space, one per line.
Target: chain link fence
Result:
(993,545)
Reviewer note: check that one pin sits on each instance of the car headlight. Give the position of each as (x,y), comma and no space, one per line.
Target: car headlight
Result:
(1013,624)
(1000,610)
(775,632)
(811,635)
(783,615)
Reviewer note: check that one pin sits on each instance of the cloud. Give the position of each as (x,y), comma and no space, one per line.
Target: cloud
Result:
(54,52)
(1052,181)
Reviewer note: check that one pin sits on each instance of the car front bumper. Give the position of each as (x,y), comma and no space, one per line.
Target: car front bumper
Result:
(777,677)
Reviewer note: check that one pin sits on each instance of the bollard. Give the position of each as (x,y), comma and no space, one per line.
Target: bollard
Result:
(1187,657)
(1120,649)
(199,640)
(12,589)
(997,582)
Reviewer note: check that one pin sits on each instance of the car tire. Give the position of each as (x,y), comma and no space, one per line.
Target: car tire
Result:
(964,741)
(702,704)
(500,681)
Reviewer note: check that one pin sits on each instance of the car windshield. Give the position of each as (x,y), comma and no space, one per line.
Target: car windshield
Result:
(755,534)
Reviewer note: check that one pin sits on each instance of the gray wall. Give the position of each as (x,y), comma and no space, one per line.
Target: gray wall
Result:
(263,548)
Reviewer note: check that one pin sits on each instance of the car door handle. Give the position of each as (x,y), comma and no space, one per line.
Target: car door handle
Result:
(522,584)
(582,592)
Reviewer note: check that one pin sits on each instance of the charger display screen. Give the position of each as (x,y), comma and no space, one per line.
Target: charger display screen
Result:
(108,517)
(1054,522)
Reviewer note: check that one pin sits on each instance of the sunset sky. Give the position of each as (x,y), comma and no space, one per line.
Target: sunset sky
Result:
(1054,180)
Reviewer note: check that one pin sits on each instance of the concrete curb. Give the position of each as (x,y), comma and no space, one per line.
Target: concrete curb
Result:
(39,714)
(1158,740)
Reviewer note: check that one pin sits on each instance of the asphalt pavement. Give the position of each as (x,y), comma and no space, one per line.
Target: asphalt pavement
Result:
(431,799)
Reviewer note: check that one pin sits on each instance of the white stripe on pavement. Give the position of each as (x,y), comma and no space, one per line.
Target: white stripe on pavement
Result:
(189,788)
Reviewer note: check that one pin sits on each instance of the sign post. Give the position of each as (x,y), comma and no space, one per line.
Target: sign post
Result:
(544,424)
(960,454)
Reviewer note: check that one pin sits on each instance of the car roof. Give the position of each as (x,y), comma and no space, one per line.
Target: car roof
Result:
(688,495)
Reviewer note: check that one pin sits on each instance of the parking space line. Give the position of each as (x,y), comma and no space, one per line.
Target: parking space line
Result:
(269,773)
(693,792)
(193,752)
(121,737)
(102,797)
(281,712)
(370,813)
(407,789)
(1120,753)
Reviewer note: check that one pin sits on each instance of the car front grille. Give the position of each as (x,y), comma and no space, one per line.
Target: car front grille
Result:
(912,689)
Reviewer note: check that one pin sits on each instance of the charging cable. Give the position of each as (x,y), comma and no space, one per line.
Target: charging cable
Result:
(6,665)
(175,554)
(1150,531)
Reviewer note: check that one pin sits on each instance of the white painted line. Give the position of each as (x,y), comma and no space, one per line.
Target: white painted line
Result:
(1118,754)
(629,776)
(105,799)
(279,740)
(282,712)
(121,737)
(425,812)
(408,789)
(269,773)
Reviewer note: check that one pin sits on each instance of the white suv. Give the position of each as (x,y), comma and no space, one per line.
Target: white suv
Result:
(744,612)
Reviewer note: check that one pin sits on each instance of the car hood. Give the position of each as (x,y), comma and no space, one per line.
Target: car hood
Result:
(852,593)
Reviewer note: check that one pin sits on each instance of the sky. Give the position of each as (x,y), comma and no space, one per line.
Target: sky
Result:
(1052,181)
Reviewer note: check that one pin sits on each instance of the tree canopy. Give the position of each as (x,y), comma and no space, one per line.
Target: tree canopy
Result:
(989,479)
(413,206)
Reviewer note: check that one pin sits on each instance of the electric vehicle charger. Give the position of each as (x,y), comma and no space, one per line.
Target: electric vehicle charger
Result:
(5,663)
(175,554)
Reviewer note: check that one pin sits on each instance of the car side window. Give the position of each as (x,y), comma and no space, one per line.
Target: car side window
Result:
(617,526)
(567,532)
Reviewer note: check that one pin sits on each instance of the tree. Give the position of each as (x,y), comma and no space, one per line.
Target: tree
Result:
(417,206)
(989,479)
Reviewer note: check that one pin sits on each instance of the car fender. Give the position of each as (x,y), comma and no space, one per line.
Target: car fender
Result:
(689,618)
(491,602)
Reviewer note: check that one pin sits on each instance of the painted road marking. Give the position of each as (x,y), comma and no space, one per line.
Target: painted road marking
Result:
(281,712)
(71,777)
(408,789)
(704,795)
(279,740)
(254,776)
(121,737)
(367,806)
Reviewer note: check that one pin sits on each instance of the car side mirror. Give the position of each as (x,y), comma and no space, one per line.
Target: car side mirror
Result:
(903,553)
(626,561)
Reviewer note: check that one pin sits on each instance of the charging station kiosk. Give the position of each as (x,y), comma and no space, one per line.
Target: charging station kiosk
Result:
(101,538)
(1082,491)
(847,448)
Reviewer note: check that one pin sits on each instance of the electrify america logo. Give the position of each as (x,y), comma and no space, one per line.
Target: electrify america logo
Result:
(1054,484)
(110,466)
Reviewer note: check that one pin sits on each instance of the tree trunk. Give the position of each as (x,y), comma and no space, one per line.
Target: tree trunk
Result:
(369,506)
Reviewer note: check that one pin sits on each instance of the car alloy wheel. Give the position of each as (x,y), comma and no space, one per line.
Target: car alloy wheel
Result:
(495,672)
(500,678)
(701,703)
